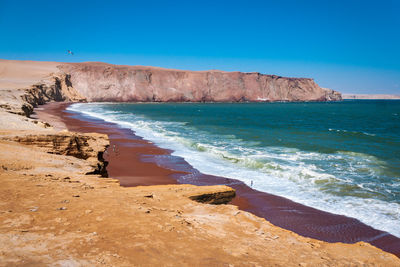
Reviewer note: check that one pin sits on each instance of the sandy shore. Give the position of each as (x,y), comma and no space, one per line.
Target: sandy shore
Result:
(125,150)
(57,209)
(52,213)
(126,163)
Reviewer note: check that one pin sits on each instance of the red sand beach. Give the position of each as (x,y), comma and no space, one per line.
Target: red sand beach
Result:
(131,160)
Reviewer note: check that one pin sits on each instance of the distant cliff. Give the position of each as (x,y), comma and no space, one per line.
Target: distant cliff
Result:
(106,82)
(370,96)
(26,84)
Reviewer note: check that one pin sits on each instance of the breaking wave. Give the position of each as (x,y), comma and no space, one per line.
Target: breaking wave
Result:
(334,182)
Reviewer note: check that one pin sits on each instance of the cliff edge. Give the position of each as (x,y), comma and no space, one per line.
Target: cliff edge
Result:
(26,84)
(105,82)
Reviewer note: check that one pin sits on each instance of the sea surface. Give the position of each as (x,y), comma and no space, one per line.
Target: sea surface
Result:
(340,157)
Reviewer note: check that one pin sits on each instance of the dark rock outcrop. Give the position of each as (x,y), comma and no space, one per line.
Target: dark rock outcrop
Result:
(217,197)
(59,89)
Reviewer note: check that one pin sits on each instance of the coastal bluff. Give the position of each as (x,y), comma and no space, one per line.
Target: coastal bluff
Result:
(39,82)
(105,82)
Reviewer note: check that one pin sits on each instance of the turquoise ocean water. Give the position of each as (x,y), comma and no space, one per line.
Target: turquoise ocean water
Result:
(340,157)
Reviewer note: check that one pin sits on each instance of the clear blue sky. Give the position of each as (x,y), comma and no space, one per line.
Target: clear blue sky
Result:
(351,46)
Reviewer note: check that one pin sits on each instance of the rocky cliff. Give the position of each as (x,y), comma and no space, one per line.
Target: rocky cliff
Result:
(58,89)
(89,146)
(106,82)
(26,84)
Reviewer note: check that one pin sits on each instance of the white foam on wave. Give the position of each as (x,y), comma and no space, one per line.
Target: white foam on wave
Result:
(281,171)
(351,132)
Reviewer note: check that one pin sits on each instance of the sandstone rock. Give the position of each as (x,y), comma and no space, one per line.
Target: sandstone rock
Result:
(331,95)
(106,82)
(25,84)
(58,88)
(89,146)
(42,82)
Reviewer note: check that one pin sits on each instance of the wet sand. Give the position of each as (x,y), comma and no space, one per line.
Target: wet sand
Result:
(135,161)
(124,152)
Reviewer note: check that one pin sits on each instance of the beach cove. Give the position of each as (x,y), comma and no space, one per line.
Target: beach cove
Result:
(126,148)
(43,180)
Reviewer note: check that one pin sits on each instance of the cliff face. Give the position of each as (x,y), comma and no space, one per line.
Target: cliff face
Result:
(58,89)
(89,147)
(26,84)
(105,82)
